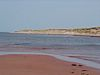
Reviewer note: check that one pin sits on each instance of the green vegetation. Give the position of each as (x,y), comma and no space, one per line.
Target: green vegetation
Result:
(93,30)
(78,31)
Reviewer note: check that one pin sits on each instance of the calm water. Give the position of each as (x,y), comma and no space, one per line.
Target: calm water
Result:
(89,47)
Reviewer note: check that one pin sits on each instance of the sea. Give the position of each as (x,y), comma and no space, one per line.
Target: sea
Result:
(82,47)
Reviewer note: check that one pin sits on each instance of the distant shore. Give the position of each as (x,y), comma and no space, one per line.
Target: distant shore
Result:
(94,31)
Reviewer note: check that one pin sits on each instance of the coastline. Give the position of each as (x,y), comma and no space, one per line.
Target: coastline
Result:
(94,31)
(28,64)
(70,34)
(59,57)
(13,59)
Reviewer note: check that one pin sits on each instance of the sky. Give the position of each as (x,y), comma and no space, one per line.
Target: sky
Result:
(45,14)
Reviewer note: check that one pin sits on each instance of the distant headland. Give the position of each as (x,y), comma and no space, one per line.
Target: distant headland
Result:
(93,31)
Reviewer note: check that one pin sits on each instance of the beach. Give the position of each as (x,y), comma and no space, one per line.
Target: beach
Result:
(28,54)
(28,64)
(49,37)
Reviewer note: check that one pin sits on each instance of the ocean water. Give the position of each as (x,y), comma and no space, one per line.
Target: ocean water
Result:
(84,47)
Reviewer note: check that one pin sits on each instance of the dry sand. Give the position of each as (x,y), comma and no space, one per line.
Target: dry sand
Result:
(41,65)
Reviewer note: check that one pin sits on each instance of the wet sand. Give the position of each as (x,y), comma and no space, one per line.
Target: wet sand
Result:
(86,58)
(27,64)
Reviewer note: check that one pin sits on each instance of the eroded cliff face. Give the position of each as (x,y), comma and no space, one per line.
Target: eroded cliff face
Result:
(95,31)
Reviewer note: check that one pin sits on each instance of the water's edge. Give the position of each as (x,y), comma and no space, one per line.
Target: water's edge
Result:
(63,58)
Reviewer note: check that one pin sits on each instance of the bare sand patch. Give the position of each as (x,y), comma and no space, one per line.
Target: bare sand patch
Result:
(27,64)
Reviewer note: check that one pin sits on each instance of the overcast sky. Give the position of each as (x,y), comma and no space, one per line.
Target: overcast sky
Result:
(41,14)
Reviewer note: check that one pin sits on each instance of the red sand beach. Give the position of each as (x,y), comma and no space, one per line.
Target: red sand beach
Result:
(41,65)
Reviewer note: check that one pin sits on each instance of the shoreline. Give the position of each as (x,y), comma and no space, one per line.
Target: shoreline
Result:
(59,57)
(69,33)
(92,31)
(29,64)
